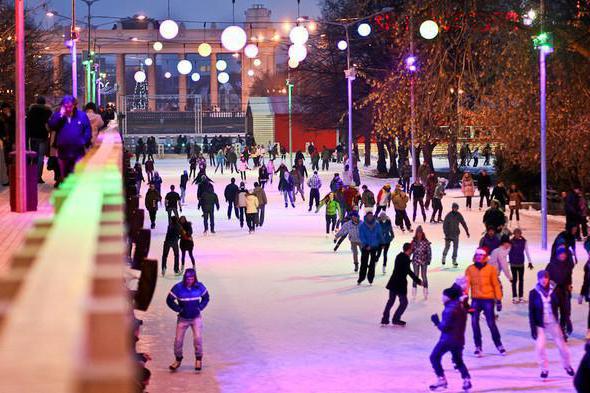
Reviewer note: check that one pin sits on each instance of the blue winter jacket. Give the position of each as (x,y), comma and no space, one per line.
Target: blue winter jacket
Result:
(188,302)
(71,135)
(371,234)
(453,323)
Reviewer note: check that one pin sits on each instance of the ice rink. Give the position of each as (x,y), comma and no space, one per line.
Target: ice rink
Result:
(286,314)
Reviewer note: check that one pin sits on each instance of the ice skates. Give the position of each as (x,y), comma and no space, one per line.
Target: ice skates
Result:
(440,384)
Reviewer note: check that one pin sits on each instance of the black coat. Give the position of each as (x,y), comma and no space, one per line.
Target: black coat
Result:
(494,218)
(483,182)
(453,323)
(560,272)
(231,190)
(36,122)
(582,378)
(536,309)
(398,282)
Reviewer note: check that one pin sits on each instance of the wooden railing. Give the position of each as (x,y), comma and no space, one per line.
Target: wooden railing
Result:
(64,309)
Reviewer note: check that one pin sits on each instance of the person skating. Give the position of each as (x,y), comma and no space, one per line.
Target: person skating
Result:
(543,305)
(417,193)
(400,201)
(326,155)
(515,199)
(567,238)
(297,179)
(240,202)
(336,183)
(314,183)
(157,182)
(230,192)
(371,239)
(560,270)
(468,189)
(270,167)
(172,202)
(251,211)
(333,211)
(287,186)
(494,217)
(207,203)
(430,185)
(351,229)
(490,241)
(452,339)
(183,183)
(421,257)
(388,235)
(188,298)
(398,286)
(219,161)
(187,244)
(483,186)
(138,177)
(486,293)
(451,230)
(437,206)
(500,194)
(149,170)
(516,256)
(243,167)
(383,199)
(140,150)
(171,242)
(262,201)
(367,199)
(302,170)
(585,290)
(192,163)
(262,175)
(405,175)
(152,200)
(499,258)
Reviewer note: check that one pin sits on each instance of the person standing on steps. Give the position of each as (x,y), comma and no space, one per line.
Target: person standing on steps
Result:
(188,298)
(483,186)
(186,241)
(371,239)
(262,201)
(207,203)
(543,304)
(152,200)
(172,202)
(468,189)
(230,192)
(486,292)
(452,338)
(387,231)
(183,183)
(516,258)
(351,229)
(171,242)
(417,193)
(421,257)
(367,199)
(452,231)
(437,206)
(398,286)
(314,183)
(240,202)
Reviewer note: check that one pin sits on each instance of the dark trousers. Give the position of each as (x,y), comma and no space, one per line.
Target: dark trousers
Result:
(315,165)
(368,262)
(137,157)
(405,184)
(190,254)
(468,202)
(427,201)
(384,250)
(325,165)
(379,209)
(167,246)
(231,206)
(484,193)
(209,219)
(314,195)
(260,218)
(219,166)
(242,211)
(232,166)
(457,354)
(39,146)
(193,172)
(330,220)
(416,202)
(251,221)
(66,166)
(243,175)
(517,277)
(436,207)
(487,306)
(403,304)
(401,217)
(564,308)
(512,211)
(152,213)
(475,161)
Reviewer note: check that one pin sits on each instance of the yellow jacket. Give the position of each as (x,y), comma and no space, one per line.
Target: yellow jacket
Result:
(251,204)
(399,199)
(484,283)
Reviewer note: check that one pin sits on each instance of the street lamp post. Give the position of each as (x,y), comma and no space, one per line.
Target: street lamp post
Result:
(90,74)
(73,38)
(20,148)
(290,92)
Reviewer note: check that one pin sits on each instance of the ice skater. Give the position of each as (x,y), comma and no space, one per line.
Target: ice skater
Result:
(388,235)
(585,291)
(371,239)
(421,257)
(351,229)
(188,298)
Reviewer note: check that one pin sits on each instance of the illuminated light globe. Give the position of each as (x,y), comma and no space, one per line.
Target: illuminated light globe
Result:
(184,67)
(139,76)
(221,65)
(428,29)
(204,49)
(169,29)
(293,63)
(251,51)
(223,77)
(257,62)
(342,45)
(233,38)
(195,77)
(167,75)
(297,52)
(250,72)
(364,29)
(158,46)
(299,35)
(148,61)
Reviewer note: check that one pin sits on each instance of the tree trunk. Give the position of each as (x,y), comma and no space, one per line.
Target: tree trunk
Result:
(452,158)
(392,150)
(367,147)
(417,151)
(403,155)
(381,163)
(427,150)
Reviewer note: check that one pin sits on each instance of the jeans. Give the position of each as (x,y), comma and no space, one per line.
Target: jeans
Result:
(219,166)
(368,261)
(40,147)
(172,209)
(182,194)
(384,250)
(314,195)
(152,213)
(420,270)
(330,219)
(416,202)
(448,241)
(484,193)
(167,246)
(242,211)
(181,327)
(456,352)
(405,184)
(230,205)
(291,197)
(551,328)
(209,218)
(260,219)
(403,304)
(487,306)
(564,308)
(190,254)
(401,217)
(514,210)
(468,202)
(251,221)
(436,207)
(517,276)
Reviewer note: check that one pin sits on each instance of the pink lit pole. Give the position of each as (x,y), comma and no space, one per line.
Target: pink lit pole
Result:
(20,147)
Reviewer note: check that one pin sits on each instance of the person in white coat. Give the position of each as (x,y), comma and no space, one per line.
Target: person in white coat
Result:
(499,257)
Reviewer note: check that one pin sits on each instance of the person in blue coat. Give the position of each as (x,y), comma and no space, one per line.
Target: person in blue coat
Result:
(371,237)
(188,298)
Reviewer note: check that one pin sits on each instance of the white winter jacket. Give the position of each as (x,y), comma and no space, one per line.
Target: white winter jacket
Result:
(499,259)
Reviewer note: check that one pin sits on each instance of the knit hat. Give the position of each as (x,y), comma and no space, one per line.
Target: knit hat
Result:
(542,274)
(455,205)
(452,293)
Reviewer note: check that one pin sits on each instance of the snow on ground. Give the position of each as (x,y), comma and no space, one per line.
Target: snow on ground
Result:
(286,314)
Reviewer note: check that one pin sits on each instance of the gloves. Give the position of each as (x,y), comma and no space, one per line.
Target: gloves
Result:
(435,319)
(531,266)
(499,305)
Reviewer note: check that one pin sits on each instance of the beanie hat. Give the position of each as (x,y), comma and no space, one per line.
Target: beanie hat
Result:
(451,293)
(542,274)
(455,205)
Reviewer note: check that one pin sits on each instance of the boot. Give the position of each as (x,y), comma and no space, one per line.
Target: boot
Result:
(414,291)
(467,384)
(175,364)
(425,291)
(440,384)
(384,269)
(198,364)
